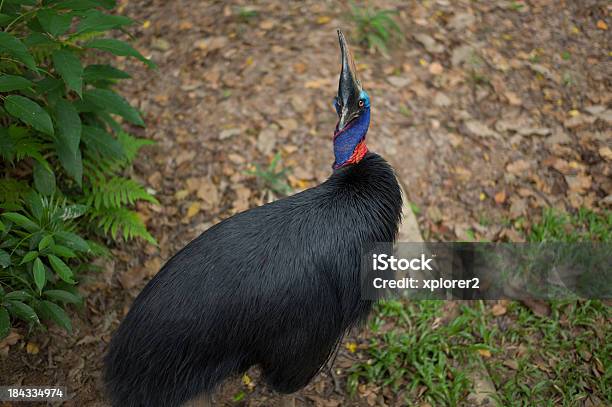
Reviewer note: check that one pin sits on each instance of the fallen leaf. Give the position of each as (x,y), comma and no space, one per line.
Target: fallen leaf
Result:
(267,24)
(266,140)
(578,183)
(288,124)
(557,138)
(601,24)
(441,100)
(436,68)
(511,363)
(595,110)
(585,354)
(155,180)
(434,213)
(184,156)
(518,166)
(299,67)
(579,120)
(296,183)
(32,348)
(160,44)
(243,194)
(480,129)
(462,54)
(208,192)
(513,98)
(485,353)
(246,379)
(181,194)
(461,21)
(152,266)
(429,43)
(351,346)
(399,81)
(323,20)
(498,309)
(304,171)
(500,197)
(317,84)
(483,391)
(538,307)
(518,207)
(463,173)
(236,158)
(522,126)
(558,164)
(11,339)
(227,133)
(545,72)
(512,235)
(211,44)
(323,402)
(133,277)
(606,153)
(193,210)
(185,25)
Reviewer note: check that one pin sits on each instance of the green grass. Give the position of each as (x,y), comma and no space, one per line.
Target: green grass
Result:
(415,353)
(585,225)
(562,358)
(426,356)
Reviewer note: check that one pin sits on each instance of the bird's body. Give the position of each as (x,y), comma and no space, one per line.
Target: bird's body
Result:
(275,286)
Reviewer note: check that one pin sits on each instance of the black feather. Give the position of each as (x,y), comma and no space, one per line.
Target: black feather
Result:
(275,286)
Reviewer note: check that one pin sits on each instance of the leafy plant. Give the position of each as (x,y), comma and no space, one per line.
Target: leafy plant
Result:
(64,154)
(272,178)
(246,14)
(37,244)
(375,28)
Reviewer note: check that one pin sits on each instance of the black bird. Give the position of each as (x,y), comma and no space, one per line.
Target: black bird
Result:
(275,286)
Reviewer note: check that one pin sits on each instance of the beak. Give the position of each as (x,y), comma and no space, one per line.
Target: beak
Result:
(349,87)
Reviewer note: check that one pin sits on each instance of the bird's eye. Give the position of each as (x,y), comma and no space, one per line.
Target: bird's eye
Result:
(361,103)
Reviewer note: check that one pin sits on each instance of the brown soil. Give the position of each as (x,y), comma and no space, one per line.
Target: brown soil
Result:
(489,112)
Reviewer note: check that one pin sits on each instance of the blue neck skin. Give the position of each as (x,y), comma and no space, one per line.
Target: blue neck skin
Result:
(349,138)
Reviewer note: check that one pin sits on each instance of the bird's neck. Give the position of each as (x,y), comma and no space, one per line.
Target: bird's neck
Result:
(349,144)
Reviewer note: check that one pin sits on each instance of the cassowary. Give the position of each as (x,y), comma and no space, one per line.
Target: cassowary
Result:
(275,286)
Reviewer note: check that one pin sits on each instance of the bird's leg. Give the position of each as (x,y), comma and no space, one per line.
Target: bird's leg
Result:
(287,401)
(202,401)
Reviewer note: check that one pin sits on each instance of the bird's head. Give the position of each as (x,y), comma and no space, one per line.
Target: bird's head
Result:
(353,107)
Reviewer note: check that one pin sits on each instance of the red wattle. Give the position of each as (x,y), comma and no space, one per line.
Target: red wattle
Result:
(359,152)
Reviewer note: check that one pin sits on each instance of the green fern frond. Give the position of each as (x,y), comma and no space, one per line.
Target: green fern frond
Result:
(97,168)
(17,143)
(131,145)
(116,192)
(124,221)
(29,148)
(12,190)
